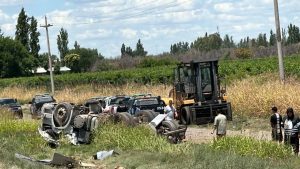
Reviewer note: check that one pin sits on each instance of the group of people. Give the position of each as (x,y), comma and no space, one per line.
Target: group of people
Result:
(290,124)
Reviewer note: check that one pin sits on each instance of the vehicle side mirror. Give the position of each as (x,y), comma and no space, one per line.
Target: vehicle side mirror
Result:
(29,102)
(16,100)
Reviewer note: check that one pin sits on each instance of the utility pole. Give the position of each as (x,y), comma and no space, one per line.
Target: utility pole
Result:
(49,55)
(279,46)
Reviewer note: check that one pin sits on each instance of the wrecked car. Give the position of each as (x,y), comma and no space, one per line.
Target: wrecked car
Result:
(13,106)
(77,122)
(146,108)
(37,103)
(174,132)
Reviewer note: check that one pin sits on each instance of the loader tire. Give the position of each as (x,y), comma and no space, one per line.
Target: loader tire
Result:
(145,116)
(62,114)
(185,115)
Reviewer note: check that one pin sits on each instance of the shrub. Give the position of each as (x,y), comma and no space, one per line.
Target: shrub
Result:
(243,53)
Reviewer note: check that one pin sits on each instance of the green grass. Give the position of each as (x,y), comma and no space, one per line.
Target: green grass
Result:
(140,148)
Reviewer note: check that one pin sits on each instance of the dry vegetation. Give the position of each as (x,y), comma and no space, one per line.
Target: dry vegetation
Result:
(81,93)
(254,96)
(251,96)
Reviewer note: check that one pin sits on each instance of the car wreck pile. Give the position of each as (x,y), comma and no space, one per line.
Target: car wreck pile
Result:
(77,122)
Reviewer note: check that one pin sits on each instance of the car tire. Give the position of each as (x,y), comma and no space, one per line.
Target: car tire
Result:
(154,113)
(145,116)
(124,118)
(62,114)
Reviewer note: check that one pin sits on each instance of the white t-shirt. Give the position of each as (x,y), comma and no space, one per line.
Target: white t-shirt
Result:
(169,110)
(220,123)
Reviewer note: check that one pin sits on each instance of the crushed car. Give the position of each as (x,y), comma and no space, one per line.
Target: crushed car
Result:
(37,103)
(13,106)
(145,108)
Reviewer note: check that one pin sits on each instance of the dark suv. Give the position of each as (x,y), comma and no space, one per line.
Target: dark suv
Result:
(37,103)
(136,104)
(12,105)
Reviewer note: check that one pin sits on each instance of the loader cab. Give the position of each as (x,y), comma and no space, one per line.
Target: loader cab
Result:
(197,91)
(197,81)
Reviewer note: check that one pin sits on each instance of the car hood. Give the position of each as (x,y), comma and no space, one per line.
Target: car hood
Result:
(12,105)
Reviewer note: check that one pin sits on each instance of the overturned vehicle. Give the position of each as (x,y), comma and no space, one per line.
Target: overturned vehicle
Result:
(78,122)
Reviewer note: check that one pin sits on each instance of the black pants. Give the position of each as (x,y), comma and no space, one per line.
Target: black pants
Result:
(295,144)
(276,136)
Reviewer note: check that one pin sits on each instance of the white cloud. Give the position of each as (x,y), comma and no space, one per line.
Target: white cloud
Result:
(94,34)
(224,7)
(247,27)
(128,33)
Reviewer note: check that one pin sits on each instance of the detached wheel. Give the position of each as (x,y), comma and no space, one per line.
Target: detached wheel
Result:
(168,126)
(62,114)
(145,116)
(125,118)
(185,117)
(154,113)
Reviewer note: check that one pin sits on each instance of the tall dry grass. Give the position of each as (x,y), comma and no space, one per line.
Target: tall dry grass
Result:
(255,96)
(81,93)
(252,96)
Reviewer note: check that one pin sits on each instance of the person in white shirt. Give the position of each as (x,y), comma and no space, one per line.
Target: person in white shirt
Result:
(220,123)
(170,111)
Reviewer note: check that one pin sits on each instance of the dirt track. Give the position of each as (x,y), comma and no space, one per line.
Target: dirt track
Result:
(203,135)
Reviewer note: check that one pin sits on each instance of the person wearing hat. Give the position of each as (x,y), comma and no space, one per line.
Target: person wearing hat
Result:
(276,124)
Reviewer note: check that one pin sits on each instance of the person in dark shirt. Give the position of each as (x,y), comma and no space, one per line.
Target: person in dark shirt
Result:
(276,123)
(291,130)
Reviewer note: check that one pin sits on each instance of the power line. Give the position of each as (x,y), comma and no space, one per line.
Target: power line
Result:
(143,13)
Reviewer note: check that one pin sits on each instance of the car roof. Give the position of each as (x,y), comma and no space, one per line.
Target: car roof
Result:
(6,98)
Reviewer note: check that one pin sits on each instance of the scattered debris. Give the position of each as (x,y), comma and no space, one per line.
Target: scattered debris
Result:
(58,160)
(169,128)
(101,155)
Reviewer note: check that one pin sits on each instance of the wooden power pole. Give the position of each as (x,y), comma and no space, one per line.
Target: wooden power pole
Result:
(49,55)
(279,45)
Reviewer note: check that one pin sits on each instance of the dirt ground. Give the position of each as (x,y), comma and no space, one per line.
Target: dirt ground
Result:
(203,135)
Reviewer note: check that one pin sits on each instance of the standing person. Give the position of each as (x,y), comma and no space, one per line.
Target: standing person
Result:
(220,123)
(291,130)
(170,111)
(276,123)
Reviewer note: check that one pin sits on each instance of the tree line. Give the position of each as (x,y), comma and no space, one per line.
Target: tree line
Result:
(20,55)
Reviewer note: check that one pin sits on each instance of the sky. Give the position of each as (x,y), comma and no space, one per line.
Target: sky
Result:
(106,24)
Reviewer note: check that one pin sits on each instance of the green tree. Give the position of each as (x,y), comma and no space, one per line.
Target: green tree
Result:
(262,40)
(180,47)
(129,51)
(87,57)
(272,39)
(208,42)
(1,34)
(62,44)
(34,39)
(123,50)
(76,45)
(294,34)
(72,61)
(139,51)
(228,42)
(22,29)
(43,60)
(15,60)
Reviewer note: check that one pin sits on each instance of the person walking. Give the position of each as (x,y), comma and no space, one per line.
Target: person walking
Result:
(291,129)
(220,124)
(170,111)
(276,124)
